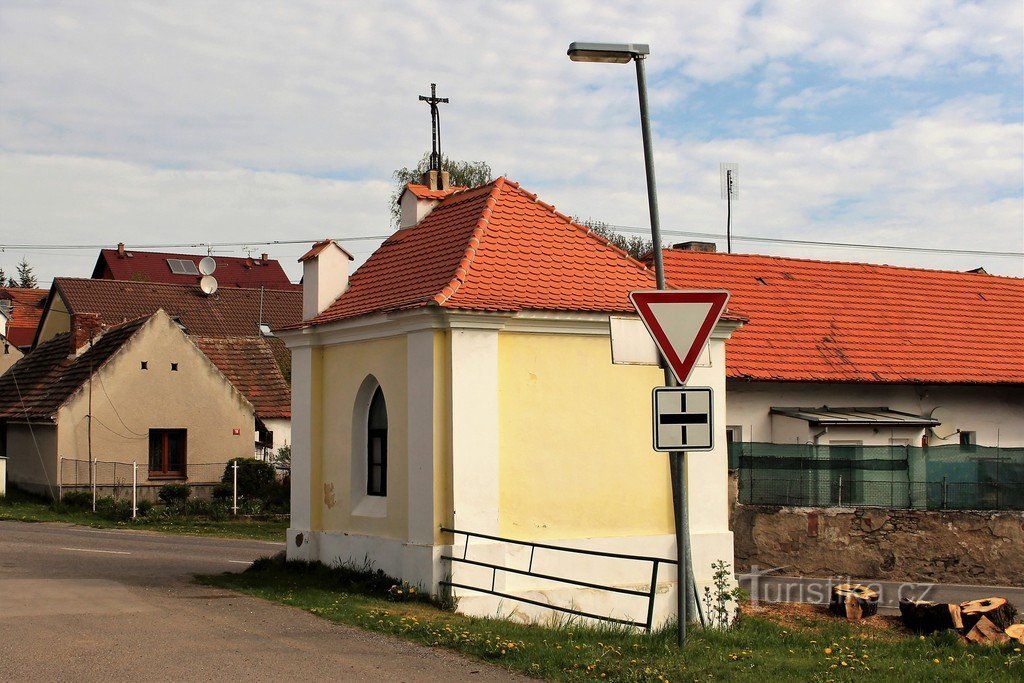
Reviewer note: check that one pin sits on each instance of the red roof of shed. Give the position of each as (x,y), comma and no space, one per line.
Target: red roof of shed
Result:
(823,321)
(26,309)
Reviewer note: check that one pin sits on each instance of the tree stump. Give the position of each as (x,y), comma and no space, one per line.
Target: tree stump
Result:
(999,611)
(853,601)
(987,633)
(923,616)
(1016,631)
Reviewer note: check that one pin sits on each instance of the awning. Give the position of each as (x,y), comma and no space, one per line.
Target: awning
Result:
(856,417)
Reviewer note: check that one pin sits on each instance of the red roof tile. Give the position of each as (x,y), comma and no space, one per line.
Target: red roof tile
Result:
(151,266)
(853,322)
(249,364)
(231,312)
(320,246)
(424,192)
(26,307)
(493,248)
(41,382)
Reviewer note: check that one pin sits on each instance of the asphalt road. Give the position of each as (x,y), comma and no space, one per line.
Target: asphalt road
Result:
(81,604)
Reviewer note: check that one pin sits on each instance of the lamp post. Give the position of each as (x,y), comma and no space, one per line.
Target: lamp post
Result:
(623,53)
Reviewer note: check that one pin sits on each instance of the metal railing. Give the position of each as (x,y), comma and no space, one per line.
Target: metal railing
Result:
(495,568)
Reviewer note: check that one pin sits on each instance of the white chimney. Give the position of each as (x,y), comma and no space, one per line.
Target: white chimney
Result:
(325,271)
(419,200)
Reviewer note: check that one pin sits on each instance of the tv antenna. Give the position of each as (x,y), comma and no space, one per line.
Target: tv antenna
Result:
(730,175)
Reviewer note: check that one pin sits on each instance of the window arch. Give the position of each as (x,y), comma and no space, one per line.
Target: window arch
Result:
(377,446)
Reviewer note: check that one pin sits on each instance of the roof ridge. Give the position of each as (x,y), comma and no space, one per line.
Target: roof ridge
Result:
(142,283)
(474,241)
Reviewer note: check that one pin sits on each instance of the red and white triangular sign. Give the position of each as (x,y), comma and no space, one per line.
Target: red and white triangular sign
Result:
(680,322)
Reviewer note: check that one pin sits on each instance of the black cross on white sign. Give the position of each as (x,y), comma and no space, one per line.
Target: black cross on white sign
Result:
(682,419)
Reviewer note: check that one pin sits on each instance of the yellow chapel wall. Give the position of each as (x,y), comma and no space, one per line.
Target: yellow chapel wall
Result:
(345,367)
(575,441)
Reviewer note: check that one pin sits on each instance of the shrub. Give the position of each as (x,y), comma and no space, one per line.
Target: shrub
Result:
(76,500)
(221,492)
(174,493)
(256,479)
(144,507)
(283,457)
(111,508)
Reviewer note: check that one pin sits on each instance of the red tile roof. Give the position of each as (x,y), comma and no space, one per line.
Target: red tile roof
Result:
(854,322)
(151,266)
(26,309)
(231,312)
(320,246)
(493,248)
(41,382)
(424,192)
(250,365)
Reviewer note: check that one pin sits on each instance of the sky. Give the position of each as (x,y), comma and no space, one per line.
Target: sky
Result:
(881,124)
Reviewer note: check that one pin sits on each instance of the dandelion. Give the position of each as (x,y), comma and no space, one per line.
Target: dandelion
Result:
(937,661)
(828,650)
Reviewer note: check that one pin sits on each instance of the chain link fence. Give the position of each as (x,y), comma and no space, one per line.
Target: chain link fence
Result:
(117,479)
(935,478)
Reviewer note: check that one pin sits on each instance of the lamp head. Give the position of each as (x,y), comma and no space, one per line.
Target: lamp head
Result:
(614,53)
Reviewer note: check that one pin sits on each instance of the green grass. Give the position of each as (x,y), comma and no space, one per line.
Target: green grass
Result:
(787,646)
(25,507)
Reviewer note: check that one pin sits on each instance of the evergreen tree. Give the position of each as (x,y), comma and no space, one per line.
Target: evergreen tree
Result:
(460,174)
(25,277)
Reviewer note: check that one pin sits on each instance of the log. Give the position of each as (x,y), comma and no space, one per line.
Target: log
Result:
(923,616)
(999,611)
(987,633)
(1016,631)
(853,601)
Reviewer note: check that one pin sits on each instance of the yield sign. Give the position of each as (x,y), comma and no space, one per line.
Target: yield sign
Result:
(680,323)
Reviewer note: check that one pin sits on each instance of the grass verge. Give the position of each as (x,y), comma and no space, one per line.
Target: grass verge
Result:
(787,645)
(25,507)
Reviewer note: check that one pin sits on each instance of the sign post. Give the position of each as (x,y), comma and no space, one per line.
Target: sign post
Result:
(680,322)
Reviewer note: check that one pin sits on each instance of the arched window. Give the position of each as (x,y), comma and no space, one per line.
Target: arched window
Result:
(377,446)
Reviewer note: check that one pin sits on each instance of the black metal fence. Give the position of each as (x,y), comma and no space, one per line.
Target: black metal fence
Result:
(648,594)
(937,478)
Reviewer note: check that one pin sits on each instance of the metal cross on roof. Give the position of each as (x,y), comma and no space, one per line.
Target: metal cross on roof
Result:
(435,127)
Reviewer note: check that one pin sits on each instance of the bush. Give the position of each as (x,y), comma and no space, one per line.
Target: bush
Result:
(75,500)
(111,508)
(197,508)
(222,492)
(174,493)
(256,479)
(144,507)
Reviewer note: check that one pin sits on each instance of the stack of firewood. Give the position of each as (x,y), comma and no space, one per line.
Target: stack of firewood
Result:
(988,621)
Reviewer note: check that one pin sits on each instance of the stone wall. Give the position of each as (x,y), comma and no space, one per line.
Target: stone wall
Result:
(965,547)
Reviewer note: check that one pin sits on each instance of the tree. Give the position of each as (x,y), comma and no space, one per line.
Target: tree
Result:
(636,246)
(460,174)
(25,277)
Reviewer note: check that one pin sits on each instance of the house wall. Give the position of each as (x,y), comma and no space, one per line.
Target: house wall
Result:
(32,456)
(9,355)
(56,320)
(282,428)
(995,413)
(127,402)
(339,496)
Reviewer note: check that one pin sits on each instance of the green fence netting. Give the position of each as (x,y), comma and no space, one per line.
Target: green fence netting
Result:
(935,478)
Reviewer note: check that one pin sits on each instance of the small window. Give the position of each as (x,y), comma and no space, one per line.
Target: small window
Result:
(968,441)
(377,447)
(182,267)
(144,365)
(167,452)
(174,367)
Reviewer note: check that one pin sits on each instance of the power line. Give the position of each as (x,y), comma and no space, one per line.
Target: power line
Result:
(822,243)
(621,228)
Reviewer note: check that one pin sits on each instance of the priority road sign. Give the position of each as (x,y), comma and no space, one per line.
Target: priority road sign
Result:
(680,322)
(683,419)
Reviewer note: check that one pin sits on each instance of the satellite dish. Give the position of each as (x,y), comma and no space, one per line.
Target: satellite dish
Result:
(207,266)
(947,429)
(208,284)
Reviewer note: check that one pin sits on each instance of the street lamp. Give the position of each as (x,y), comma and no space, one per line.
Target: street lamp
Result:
(623,53)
